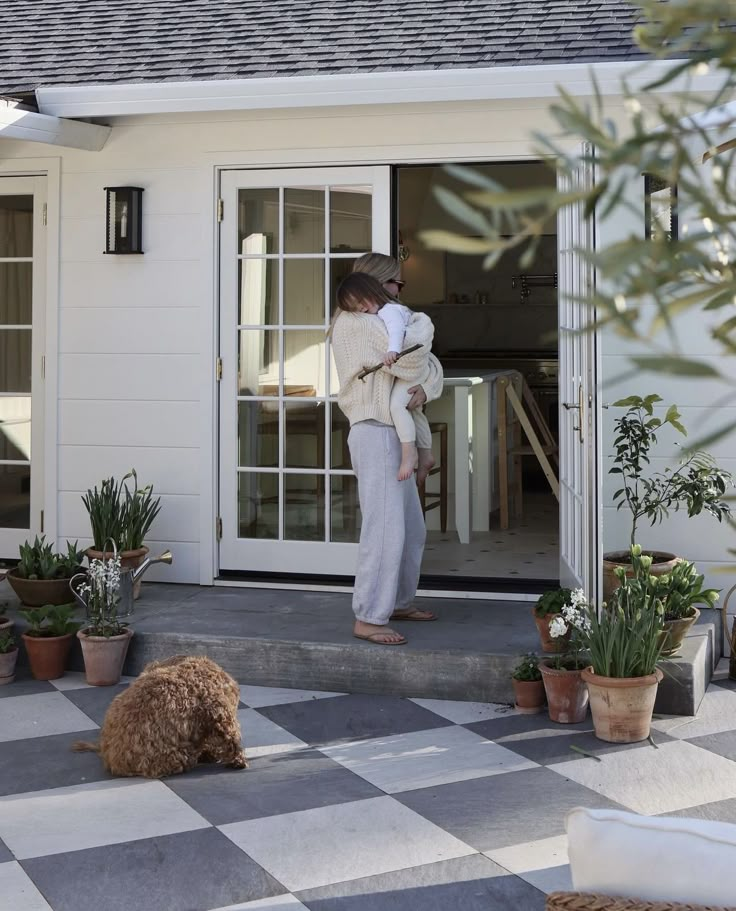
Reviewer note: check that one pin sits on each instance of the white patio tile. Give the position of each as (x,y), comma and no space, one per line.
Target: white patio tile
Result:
(717,713)
(464,712)
(17,891)
(91,815)
(341,842)
(278,903)
(675,776)
(543,854)
(76,680)
(259,696)
(262,737)
(422,759)
(40,715)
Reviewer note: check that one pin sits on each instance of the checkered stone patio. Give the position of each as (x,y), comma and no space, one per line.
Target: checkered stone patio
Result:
(352,803)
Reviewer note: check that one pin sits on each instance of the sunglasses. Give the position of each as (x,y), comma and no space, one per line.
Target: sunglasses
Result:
(396,281)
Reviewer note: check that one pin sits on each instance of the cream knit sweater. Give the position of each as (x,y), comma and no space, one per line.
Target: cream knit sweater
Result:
(360,340)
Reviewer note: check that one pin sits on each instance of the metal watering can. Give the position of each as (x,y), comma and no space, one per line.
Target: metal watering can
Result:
(128,577)
(730,636)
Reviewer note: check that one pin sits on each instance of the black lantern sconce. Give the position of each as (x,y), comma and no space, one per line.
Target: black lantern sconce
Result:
(124,220)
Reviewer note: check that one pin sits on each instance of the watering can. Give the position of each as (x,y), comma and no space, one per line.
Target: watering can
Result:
(128,577)
(730,636)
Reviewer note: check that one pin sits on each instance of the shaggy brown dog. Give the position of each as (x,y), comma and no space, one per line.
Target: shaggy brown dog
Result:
(177,713)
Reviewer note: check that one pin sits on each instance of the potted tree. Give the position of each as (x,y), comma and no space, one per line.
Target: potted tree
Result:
(49,639)
(567,695)
(545,611)
(528,686)
(625,645)
(696,485)
(8,657)
(104,638)
(116,513)
(42,576)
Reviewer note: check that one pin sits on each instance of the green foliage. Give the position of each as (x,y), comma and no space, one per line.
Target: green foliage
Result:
(116,513)
(7,643)
(38,560)
(551,602)
(681,590)
(51,620)
(696,485)
(527,668)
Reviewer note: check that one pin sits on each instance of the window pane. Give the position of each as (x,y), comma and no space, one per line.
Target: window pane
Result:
(304,434)
(304,507)
(340,430)
(350,219)
(258,221)
(15,496)
(15,427)
(344,509)
(258,362)
(304,362)
(258,435)
(259,292)
(304,220)
(16,226)
(15,293)
(15,360)
(304,292)
(258,505)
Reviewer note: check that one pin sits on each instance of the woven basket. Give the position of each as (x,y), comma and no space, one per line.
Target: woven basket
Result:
(583,901)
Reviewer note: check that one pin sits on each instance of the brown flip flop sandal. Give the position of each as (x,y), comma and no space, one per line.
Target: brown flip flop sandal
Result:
(415,616)
(374,638)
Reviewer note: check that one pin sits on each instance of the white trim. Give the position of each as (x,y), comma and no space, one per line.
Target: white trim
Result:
(521,597)
(15,123)
(477,84)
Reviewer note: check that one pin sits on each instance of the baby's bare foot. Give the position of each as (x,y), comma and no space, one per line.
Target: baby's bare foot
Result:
(408,461)
(426,464)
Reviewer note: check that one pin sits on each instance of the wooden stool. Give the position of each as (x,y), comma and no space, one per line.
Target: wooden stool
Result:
(437,499)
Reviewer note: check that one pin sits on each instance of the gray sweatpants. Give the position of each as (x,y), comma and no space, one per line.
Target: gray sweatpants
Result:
(392,533)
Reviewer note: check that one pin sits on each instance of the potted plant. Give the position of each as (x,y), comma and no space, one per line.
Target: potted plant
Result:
(548,607)
(42,576)
(528,686)
(696,485)
(49,639)
(116,513)
(104,638)
(680,590)
(8,657)
(567,695)
(6,624)
(625,646)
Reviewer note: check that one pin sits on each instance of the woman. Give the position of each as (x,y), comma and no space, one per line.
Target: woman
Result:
(392,533)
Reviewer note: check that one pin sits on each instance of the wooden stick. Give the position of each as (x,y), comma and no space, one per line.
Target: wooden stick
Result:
(367,370)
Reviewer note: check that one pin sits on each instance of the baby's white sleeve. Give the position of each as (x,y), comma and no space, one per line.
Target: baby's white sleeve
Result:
(395,321)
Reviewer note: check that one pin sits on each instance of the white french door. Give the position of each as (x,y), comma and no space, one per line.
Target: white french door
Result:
(22,295)
(580,530)
(287,496)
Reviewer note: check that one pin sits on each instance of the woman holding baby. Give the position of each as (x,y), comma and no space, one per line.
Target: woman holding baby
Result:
(393,532)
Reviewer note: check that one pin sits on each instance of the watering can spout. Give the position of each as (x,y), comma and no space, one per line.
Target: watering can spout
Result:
(165,557)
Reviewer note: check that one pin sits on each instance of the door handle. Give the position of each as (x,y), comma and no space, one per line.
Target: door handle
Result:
(579,406)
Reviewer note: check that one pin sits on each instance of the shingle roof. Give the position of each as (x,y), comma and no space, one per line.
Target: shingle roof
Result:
(73,42)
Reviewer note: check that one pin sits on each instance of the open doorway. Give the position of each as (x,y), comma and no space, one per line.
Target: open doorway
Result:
(488,516)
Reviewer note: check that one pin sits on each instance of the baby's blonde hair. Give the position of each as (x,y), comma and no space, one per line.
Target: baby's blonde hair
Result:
(354,289)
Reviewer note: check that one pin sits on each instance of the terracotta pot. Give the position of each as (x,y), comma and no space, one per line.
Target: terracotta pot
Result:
(47,655)
(622,706)
(7,666)
(675,631)
(131,558)
(37,592)
(567,695)
(549,644)
(528,695)
(104,656)
(662,562)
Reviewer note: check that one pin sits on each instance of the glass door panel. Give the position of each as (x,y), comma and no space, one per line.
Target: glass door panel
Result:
(288,501)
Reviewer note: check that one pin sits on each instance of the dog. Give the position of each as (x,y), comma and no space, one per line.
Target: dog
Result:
(178,713)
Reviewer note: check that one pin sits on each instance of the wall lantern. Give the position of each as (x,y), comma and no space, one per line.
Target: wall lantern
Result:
(124,220)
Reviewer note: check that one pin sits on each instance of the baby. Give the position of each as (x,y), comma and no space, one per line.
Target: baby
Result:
(363,294)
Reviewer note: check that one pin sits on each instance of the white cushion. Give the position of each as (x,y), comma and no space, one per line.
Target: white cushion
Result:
(652,858)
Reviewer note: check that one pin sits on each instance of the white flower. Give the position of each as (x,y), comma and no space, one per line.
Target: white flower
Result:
(557,628)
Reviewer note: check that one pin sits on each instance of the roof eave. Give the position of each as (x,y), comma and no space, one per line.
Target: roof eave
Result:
(28,126)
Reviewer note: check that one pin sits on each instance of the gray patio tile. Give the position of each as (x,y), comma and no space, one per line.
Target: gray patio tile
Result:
(515,726)
(261,737)
(40,715)
(503,810)
(468,883)
(95,700)
(5,853)
(719,810)
(352,718)
(547,750)
(724,743)
(255,697)
(25,685)
(199,870)
(39,763)
(271,786)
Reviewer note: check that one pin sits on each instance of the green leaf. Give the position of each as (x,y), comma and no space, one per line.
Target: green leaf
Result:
(676,366)
(457,243)
(464,213)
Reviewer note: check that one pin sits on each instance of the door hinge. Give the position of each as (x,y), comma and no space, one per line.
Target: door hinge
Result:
(218,368)
(220,209)
(43,366)
(41,521)
(45,213)
(218,528)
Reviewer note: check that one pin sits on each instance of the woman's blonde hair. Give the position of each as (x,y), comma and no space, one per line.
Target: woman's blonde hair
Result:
(383,268)
(357,288)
